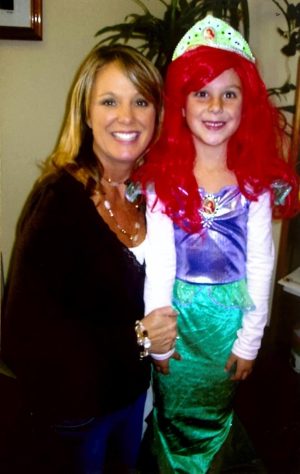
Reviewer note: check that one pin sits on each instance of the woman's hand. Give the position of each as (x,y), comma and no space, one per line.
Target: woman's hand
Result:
(161,325)
(243,367)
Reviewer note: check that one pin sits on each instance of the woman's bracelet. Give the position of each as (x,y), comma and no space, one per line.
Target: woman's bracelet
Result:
(143,339)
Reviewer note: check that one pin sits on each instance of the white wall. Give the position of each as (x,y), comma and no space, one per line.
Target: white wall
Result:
(35,78)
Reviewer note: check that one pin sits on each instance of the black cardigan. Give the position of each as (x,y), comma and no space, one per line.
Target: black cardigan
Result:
(73,294)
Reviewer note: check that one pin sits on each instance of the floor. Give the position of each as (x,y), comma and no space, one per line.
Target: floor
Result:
(267,404)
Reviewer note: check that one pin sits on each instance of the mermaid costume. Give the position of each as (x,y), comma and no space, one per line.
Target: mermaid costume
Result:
(193,404)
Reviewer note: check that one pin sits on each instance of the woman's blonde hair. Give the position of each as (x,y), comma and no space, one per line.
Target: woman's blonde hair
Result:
(74,149)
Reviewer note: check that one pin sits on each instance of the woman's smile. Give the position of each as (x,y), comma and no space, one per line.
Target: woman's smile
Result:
(126,136)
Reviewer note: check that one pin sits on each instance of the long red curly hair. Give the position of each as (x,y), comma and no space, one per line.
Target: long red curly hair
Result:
(255,151)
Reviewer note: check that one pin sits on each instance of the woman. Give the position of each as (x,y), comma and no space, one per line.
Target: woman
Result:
(74,331)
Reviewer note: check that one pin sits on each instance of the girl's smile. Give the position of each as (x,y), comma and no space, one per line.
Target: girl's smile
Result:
(214,125)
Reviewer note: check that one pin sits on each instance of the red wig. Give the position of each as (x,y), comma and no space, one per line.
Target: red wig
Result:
(255,151)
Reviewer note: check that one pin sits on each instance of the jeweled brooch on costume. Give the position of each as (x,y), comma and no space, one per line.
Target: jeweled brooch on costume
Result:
(210,206)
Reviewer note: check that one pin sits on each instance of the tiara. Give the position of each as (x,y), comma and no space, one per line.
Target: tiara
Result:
(215,33)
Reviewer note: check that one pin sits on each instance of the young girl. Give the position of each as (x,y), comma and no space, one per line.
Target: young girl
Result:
(217,173)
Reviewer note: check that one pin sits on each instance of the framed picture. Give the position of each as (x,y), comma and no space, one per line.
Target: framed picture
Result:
(21,20)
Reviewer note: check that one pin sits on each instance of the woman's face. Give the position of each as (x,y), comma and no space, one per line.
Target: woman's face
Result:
(213,113)
(121,119)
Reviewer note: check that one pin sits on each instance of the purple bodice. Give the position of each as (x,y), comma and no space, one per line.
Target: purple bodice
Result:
(216,254)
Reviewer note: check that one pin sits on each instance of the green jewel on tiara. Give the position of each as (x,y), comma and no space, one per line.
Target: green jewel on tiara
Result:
(216,33)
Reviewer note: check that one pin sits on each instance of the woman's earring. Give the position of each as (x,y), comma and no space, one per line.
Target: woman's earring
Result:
(183,112)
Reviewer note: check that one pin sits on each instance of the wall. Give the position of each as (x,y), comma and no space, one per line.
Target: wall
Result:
(275,68)
(35,78)
(34,82)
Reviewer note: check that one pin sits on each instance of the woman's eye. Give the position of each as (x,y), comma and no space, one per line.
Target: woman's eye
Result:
(142,102)
(108,102)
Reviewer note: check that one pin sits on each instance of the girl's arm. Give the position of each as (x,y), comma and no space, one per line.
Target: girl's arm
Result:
(160,260)
(260,263)
(160,256)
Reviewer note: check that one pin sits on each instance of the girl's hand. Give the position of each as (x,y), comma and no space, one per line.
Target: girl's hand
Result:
(162,366)
(243,367)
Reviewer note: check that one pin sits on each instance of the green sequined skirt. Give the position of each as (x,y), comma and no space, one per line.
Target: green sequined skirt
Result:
(193,404)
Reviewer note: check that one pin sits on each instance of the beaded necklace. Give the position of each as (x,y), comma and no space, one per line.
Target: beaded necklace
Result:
(132,193)
(133,237)
(114,183)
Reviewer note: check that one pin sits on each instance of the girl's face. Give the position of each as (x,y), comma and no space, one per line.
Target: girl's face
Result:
(213,113)
(121,119)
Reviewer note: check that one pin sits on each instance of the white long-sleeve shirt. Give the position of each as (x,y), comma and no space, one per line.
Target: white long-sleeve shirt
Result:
(161,268)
